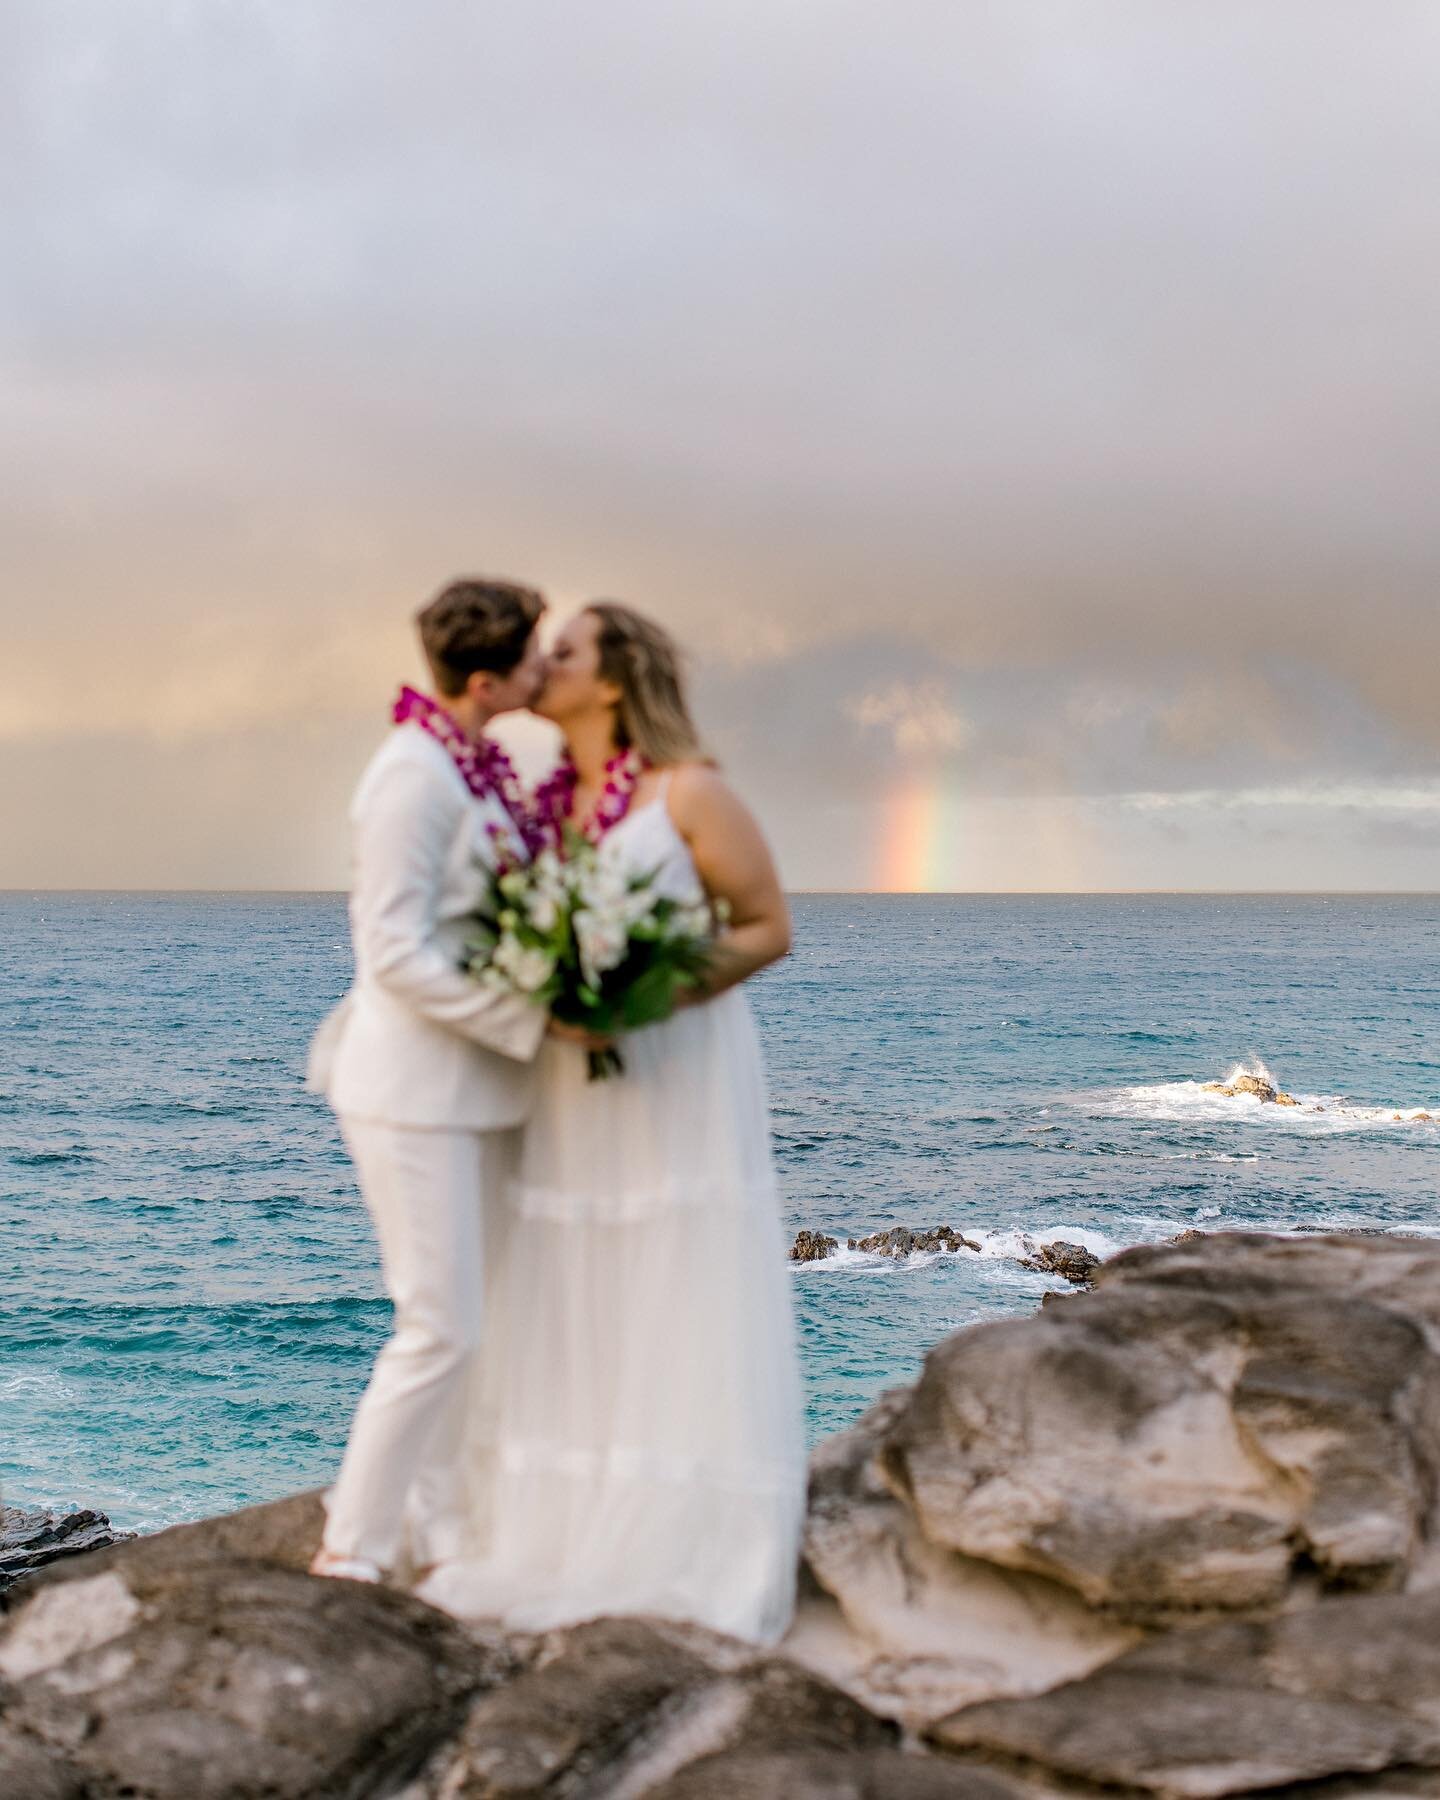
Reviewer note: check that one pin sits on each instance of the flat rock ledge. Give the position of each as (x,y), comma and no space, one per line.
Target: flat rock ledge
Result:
(1175,1537)
(31,1538)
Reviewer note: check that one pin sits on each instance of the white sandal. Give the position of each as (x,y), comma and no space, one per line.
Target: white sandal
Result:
(345,1568)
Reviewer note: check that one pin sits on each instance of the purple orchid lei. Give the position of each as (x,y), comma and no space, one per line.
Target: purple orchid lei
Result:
(555,797)
(484,767)
(487,770)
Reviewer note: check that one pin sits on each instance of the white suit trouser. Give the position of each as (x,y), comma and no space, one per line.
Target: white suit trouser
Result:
(427,1192)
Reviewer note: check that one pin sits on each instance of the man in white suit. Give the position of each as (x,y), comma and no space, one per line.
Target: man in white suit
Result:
(428,1070)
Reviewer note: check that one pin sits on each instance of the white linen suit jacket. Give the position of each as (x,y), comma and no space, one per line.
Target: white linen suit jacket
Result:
(416,1042)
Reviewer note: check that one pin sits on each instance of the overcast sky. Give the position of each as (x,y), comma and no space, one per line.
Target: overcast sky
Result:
(1027,413)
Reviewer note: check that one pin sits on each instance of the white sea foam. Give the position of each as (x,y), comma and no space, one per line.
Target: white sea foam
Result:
(34,1385)
(1011,1242)
(1189,1103)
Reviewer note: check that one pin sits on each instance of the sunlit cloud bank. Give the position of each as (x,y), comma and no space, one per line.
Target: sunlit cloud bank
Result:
(1024,414)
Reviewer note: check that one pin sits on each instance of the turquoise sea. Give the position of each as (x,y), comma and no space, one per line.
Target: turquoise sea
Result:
(188,1292)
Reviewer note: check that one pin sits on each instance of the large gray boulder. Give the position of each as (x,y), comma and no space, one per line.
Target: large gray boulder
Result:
(1218,1425)
(913,1626)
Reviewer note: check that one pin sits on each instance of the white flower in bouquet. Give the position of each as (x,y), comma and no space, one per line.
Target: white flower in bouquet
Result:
(640,906)
(601,948)
(543,910)
(599,887)
(603,938)
(525,965)
(690,921)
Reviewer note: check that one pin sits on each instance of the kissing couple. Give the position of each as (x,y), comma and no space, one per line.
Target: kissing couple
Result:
(590,1400)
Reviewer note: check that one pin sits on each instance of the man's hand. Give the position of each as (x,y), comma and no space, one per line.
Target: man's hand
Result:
(577,1034)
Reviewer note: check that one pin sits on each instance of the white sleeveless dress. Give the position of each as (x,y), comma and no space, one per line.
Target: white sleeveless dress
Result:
(636,1435)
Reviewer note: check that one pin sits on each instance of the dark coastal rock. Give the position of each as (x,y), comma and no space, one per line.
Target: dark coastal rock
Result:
(625,1704)
(201,1663)
(29,1772)
(31,1539)
(1345,1687)
(812,1246)
(284,1533)
(167,1670)
(1072,1262)
(831,1775)
(1217,1424)
(900,1242)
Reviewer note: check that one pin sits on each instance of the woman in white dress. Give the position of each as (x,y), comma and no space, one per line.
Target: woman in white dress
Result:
(636,1440)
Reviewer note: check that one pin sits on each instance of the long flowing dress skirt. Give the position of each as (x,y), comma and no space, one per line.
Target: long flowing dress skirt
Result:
(636,1440)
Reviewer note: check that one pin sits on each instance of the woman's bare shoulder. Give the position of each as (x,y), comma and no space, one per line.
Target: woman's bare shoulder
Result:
(702,800)
(698,778)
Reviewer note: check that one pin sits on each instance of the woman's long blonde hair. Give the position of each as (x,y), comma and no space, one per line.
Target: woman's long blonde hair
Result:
(644,662)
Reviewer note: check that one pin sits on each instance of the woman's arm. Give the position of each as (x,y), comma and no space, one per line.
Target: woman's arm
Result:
(734,862)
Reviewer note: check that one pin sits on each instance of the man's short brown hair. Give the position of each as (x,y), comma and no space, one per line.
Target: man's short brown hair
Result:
(476,623)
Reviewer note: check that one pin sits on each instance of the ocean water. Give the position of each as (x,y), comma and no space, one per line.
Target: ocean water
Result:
(189,1299)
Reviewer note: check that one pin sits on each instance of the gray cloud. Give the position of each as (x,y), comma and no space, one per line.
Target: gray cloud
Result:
(1074,365)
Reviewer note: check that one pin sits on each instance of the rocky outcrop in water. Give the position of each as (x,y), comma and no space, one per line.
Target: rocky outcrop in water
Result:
(1173,1537)
(812,1246)
(900,1242)
(1072,1262)
(32,1538)
(1255,1085)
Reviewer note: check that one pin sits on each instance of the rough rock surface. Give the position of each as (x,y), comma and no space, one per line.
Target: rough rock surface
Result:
(1216,1424)
(203,1663)
(1073,1262)
(31,1539)
(1347,1686)
(906,1622)
(900,1242)
(812,1246)
(164,1668)
(628,1703)
(828,1775)
(1172,1537)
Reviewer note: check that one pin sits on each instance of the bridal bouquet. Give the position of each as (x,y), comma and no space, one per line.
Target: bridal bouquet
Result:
(600,949)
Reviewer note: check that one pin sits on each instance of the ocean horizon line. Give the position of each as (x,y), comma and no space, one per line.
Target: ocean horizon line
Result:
(1148,893)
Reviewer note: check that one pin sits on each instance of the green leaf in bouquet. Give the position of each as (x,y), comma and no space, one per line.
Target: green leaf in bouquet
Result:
(650,997)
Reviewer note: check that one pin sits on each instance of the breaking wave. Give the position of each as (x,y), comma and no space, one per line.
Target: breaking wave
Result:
(1195,1102)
